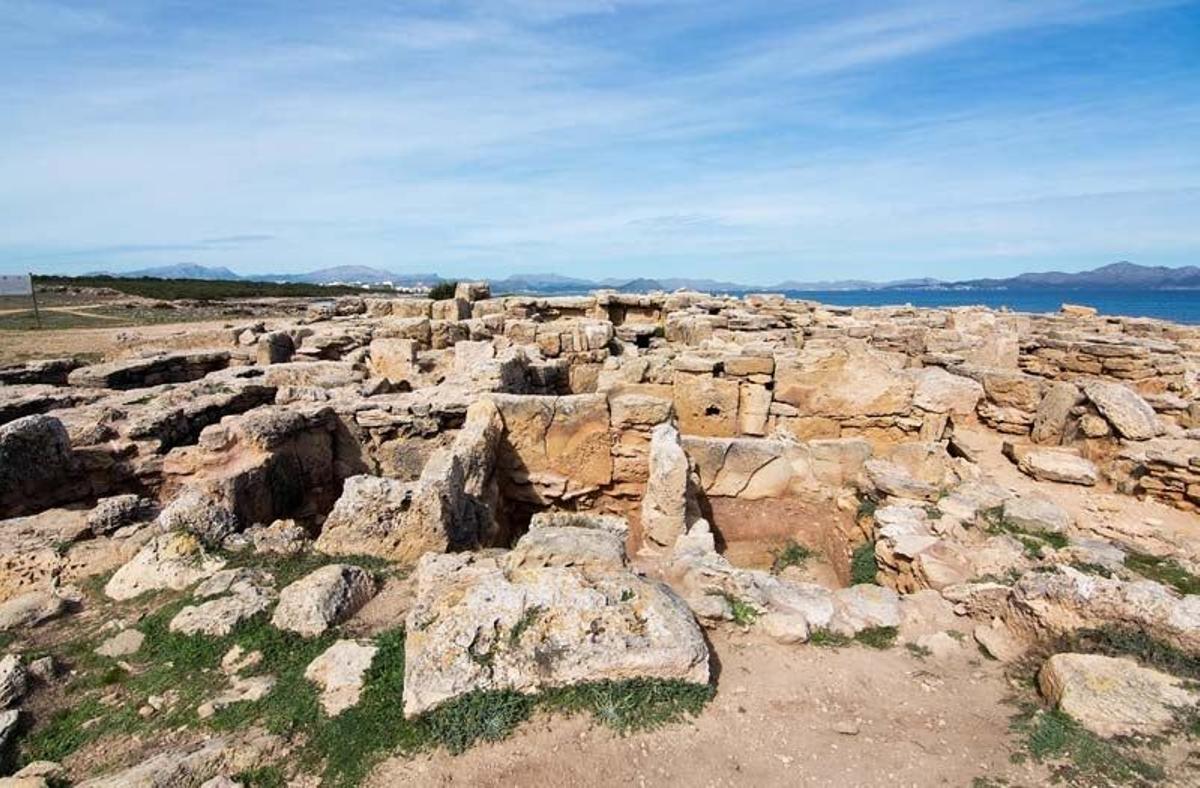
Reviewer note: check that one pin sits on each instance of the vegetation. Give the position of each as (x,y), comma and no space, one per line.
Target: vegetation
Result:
(862,564)
(1034,542)
(918,651)
(744,614)
(1116,641)
(873,637)
(185,670)
(791,554)
(1167,571)
(1079,756)
(443,290)
(866,508)
(200,289)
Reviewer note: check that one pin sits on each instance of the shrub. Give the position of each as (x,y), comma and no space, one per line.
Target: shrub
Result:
(443,290)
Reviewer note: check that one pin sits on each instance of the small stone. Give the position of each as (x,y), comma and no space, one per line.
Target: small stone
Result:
(846,727)
(340,671)
(122,644)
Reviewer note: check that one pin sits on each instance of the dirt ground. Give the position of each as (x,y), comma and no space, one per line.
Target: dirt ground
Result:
(783,715)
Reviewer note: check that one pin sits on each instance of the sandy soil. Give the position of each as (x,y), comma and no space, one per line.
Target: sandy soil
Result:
(783,715)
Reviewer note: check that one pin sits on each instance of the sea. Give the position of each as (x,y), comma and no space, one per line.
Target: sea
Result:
(1180,306)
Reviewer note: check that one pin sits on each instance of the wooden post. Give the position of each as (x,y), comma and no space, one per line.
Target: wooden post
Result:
(33,297)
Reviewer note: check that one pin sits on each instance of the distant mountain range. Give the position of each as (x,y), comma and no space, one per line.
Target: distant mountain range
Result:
(1122,275)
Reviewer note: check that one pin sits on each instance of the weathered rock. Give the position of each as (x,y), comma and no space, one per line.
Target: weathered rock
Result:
(1050,421)
(172,560)
(786,628)
(323,599)
(243,595)
(1037,514)
(588,549)
(938,391)
(863,607)
(1129,414)
(118,511)
(841,382)
(190,766)
(340,672)
(241,690)
(996,639)
(476,627)
(1063,600)
(282,537)
(14,679)
(122,644)
(8,726)
(664,506)
(134,373)
(199,513)
(890,479)
(1113,696)
(31,609)
(1053,465)
(37,466)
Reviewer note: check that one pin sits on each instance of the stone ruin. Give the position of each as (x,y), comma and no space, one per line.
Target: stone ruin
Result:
(581,484)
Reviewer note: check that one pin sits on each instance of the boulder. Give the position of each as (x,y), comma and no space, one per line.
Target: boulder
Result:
(323,599)
(340,672)
(664,505)
(1114,696)
(588,549)
(476,626)
(1037,514)
(864,607)
(939,391)
(122,644)
(31,609)
(190,766)
(1055,465)
(201,513)
(890,479)
(14,679)
(240,594)
(37,466)
(1050,420)
(170,561)
(118,511)
(1131,416)
(842,382)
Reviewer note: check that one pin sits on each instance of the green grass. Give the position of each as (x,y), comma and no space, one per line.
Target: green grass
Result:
(1114,641)
(918,651)
(262,777)
(873,637)
(862,564)
(341,749)
(1034,542)
(791,554)
(1163,570)
(744,614)
(1077,756)
(866,508)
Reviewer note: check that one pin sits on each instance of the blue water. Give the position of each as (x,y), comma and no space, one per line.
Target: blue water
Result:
(1181,306)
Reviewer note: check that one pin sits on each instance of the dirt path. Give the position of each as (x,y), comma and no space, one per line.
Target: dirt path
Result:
(111,342)
(783,715)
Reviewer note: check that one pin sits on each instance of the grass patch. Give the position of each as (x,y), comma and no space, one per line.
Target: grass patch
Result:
(862,564)
(874,637)
(791,554)
(1034,542)
(866,508)
(1078,756)
(918,651)
(262,777)
(341,749)
(1167,571)
(744,614)
(1116,641)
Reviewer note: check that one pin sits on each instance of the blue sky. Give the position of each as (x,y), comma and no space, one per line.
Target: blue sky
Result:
(747,140)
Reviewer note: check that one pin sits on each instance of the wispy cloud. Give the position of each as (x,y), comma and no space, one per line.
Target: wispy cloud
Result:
(478,137)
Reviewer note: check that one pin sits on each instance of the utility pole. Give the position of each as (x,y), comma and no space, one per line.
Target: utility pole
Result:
(33,297)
